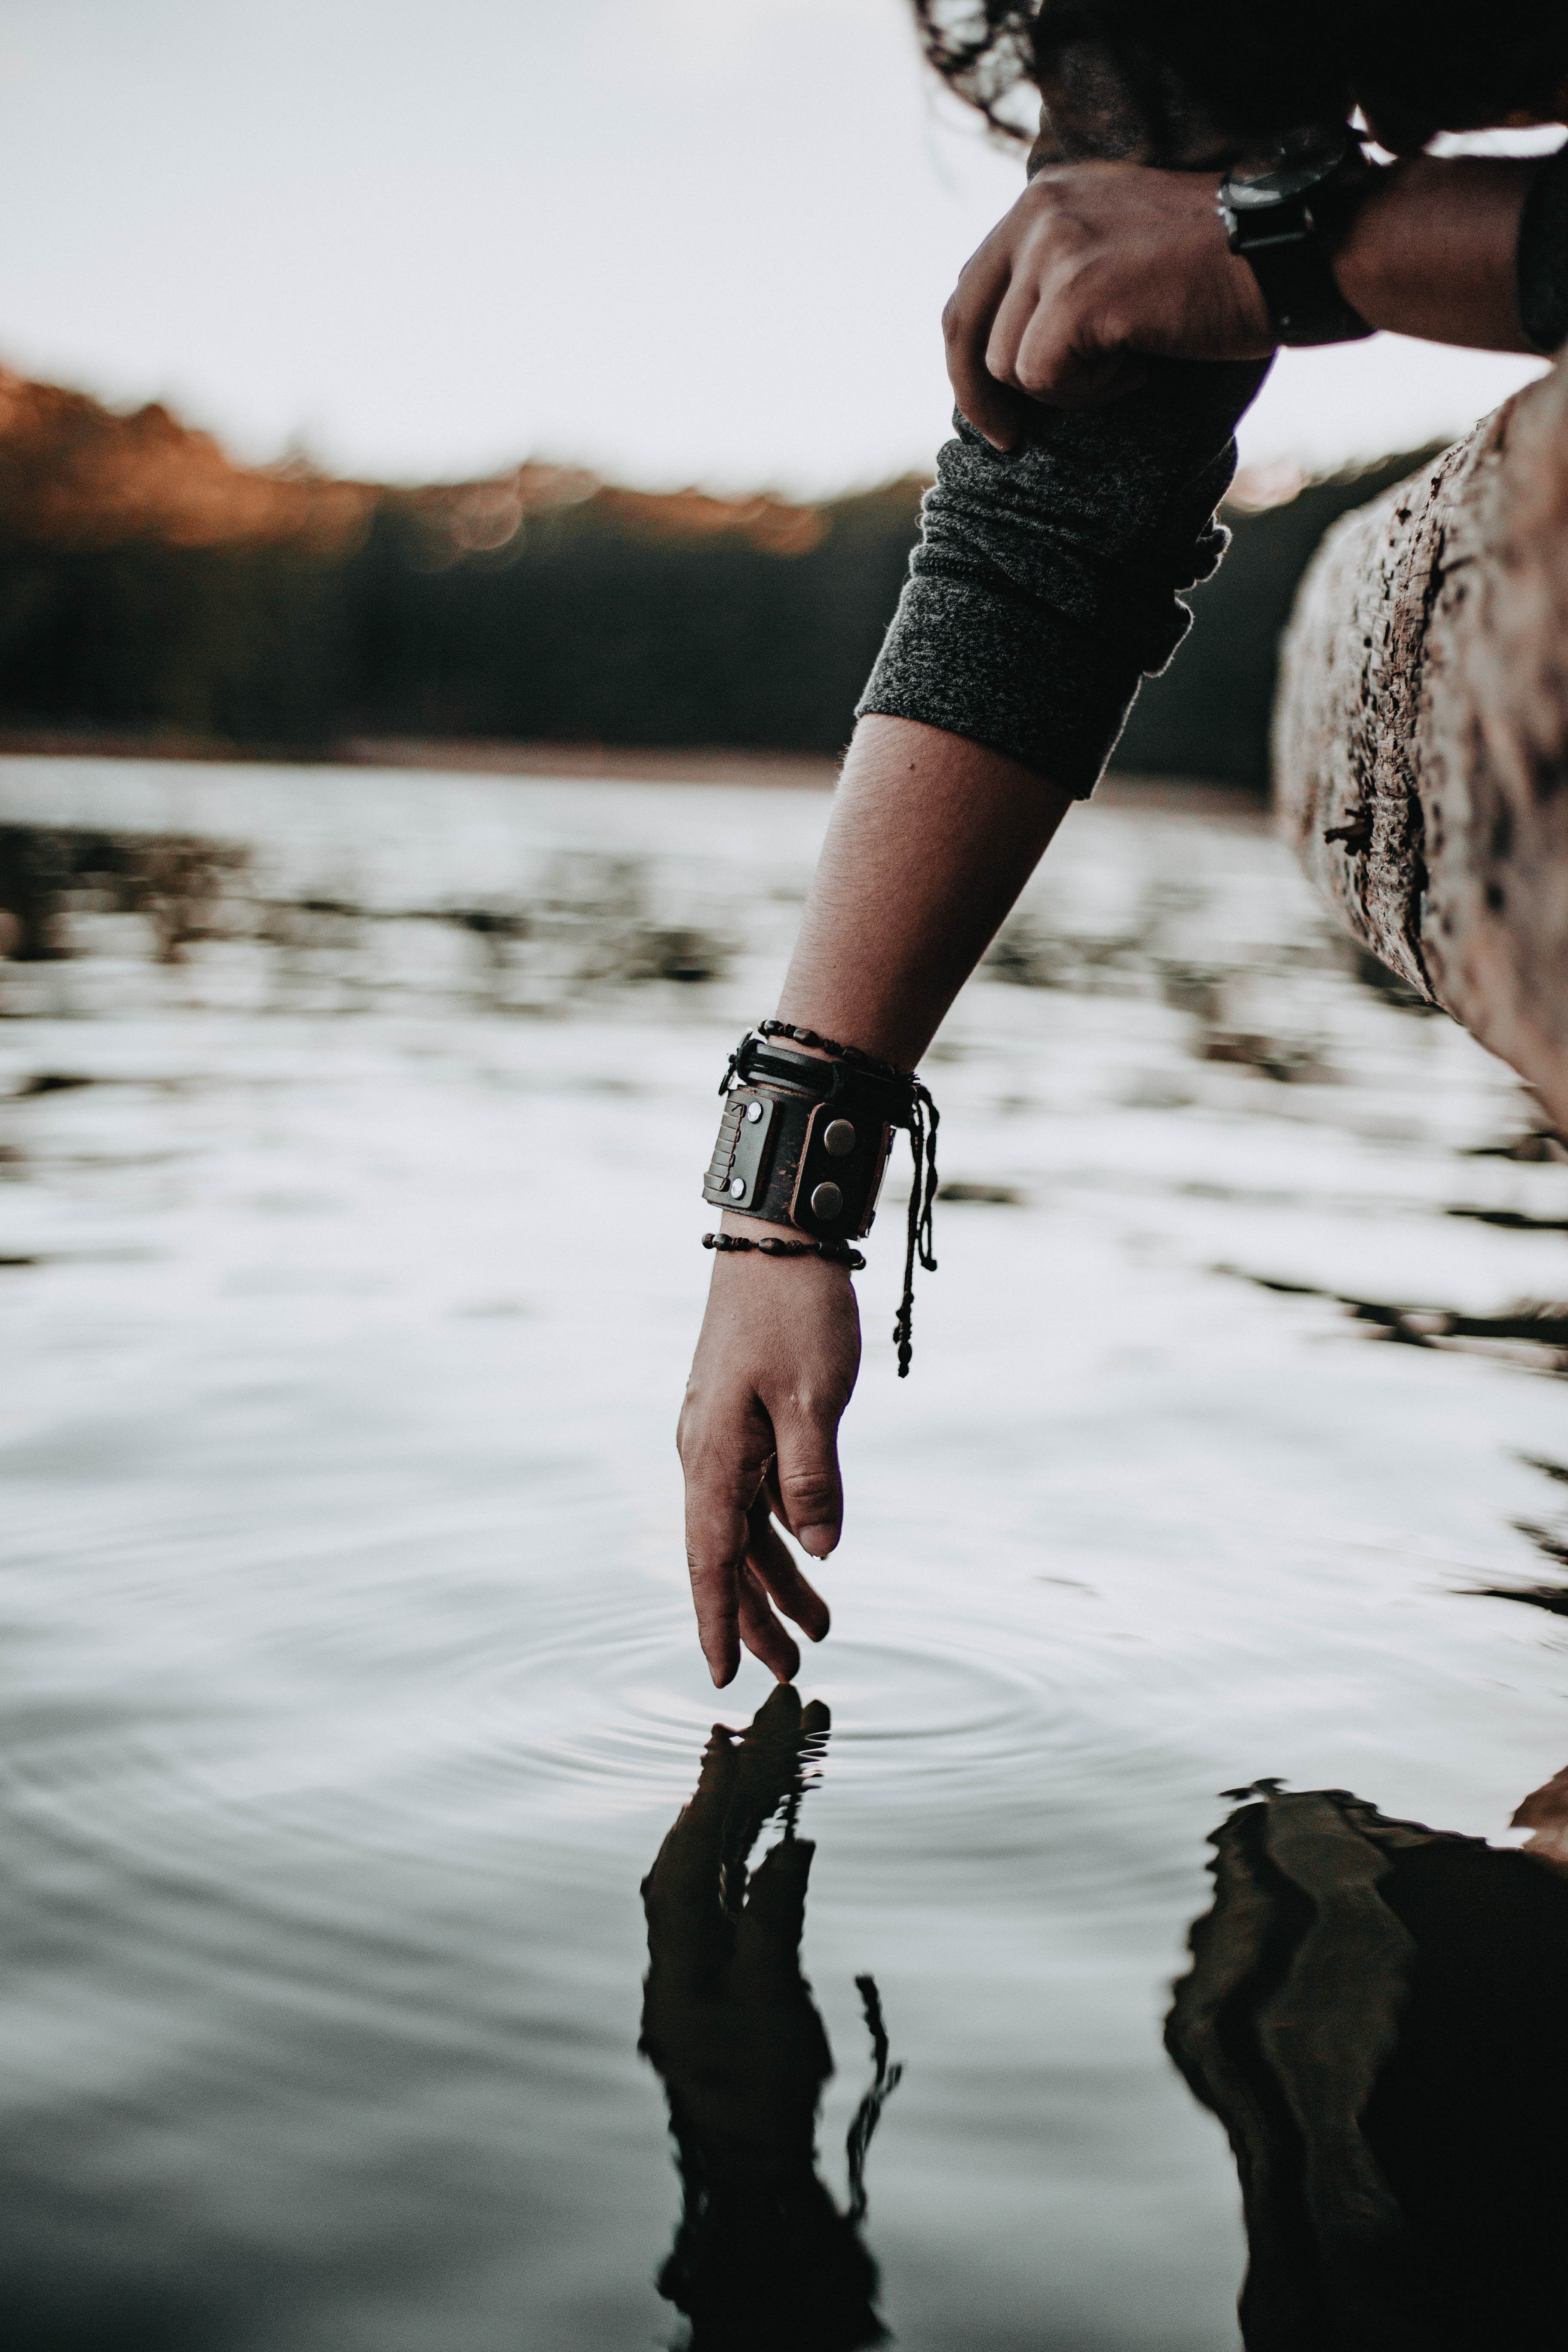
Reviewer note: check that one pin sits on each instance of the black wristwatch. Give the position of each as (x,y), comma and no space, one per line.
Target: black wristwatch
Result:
(1283,212)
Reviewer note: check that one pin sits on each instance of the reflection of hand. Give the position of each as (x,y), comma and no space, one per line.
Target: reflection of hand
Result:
(764,2260)
(728,2019)
(776,1366)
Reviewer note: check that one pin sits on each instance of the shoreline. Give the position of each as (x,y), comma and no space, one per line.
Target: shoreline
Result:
(568,763)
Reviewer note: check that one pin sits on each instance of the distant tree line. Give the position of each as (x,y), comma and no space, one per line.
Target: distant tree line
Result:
(146,583)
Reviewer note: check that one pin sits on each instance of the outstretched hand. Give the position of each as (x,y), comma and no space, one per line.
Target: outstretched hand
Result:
(1098,267)
(776,1366)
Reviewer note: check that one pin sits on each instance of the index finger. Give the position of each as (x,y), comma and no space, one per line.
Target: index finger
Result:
(991,407)
(723,1472)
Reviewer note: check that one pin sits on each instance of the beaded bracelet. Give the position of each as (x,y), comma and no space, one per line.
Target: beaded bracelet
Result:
(831,1048)
(835,1253)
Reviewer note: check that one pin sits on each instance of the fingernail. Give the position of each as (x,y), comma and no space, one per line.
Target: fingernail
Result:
(817,1541)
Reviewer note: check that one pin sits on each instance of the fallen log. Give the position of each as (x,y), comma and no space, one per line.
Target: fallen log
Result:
(1421,732)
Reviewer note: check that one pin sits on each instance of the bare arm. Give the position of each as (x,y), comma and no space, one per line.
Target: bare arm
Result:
(932,840)
(1431,252)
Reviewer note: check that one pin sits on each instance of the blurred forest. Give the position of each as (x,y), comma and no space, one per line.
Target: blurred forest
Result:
(150,587)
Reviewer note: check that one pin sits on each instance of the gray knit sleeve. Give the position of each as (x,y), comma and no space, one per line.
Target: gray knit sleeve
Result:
(1044,583)
(1542,260)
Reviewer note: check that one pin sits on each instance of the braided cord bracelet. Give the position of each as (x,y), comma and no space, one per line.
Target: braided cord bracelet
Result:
(831,1048)
(923,1128)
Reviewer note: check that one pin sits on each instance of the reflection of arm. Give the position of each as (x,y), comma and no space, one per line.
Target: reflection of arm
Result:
(1374,2012)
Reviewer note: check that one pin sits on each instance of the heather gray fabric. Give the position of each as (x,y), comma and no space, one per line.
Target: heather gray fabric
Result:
(1543,258)
(1044,583)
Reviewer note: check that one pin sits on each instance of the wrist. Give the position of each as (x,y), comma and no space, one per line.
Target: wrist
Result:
(1431,249)
(804,1142)
(1371,256)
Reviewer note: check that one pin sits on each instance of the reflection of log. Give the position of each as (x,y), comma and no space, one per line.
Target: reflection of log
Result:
(1421,733)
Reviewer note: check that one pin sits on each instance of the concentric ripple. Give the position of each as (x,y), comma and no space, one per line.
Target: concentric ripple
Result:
(904,1712)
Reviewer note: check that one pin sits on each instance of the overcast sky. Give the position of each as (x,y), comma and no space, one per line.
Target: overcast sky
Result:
(675,239)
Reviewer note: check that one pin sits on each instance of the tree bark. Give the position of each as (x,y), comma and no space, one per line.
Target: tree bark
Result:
(1421,732)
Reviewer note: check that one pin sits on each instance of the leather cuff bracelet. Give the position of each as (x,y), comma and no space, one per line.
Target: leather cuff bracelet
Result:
(805,1143)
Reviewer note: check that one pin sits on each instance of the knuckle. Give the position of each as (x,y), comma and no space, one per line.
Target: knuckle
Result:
(720,1463)
(818,1407)
(718,1456)
(809,1489)
(1040,374)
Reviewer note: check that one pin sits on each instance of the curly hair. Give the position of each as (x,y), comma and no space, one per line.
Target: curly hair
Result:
(1254,67)
(983,50)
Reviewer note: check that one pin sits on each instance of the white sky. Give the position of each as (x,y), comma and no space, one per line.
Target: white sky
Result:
(675,239)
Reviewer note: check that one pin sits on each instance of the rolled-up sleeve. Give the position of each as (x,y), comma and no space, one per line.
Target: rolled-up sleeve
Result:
(1047,582)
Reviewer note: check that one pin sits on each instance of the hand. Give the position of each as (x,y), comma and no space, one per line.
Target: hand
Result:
(1096,267)
(776,1366)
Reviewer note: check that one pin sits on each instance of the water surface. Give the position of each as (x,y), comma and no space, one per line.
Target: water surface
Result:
(349,1686)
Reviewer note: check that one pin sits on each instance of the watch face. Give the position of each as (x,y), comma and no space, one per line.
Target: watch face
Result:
(1300,161)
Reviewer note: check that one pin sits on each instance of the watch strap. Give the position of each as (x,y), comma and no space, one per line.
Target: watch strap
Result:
(1297,278)
(1290,241)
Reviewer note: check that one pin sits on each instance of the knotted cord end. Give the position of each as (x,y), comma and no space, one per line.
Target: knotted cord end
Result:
(925,1119)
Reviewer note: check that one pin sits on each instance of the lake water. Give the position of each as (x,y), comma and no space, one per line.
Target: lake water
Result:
(349,1685)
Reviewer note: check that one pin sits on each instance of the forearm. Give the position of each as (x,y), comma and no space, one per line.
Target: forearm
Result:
(1431,252)
(932,840)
